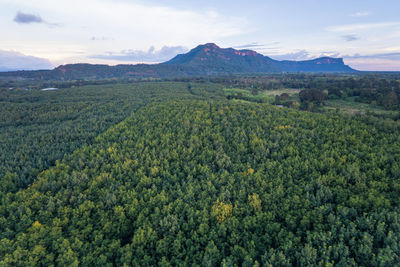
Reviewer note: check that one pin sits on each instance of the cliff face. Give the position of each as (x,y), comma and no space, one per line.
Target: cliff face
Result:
(323,64)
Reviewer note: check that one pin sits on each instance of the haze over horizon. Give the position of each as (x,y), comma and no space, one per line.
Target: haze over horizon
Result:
(41,34)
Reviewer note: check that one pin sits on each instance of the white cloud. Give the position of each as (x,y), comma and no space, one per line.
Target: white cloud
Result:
(12,60)
(389,56)
(298,55)
(151,55)
(362,26)
(373,64)
(361,14)
(129,27)
(126,24)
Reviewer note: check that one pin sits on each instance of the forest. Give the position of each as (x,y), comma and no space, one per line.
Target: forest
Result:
(204,171)
(39,127)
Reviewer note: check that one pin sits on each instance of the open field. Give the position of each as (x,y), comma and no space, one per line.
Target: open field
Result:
(348,105)
(351,107)
(267,96)
(288,91)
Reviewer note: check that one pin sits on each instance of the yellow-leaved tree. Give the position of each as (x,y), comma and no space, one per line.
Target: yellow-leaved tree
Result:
(222,211)
(255,202)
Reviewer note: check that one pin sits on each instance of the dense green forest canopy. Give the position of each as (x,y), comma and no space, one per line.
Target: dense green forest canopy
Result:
(39,127)
(215,182)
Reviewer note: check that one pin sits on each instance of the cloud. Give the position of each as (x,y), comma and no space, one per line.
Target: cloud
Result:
(250,45)
(361,26)
(299,55)
(255,45)
(350,37)
(375,62)
(151,55)
(390,56)
(361,14)
(26,18)
(330,54)
(101,38)
(157,23)
(131,24)
(11,60)
(264,49)
(389,61)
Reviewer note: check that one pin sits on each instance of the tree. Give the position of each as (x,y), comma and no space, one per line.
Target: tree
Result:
(312,95)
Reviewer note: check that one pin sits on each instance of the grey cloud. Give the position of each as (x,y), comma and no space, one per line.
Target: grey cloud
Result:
(10,60)
(151,55)
(350,37)
(26,18)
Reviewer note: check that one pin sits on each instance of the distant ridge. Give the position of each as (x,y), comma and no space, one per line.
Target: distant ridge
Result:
(207,59)
(216,58)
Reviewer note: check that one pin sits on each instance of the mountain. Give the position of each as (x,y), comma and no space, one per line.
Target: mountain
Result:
(323,64)
(3,69)
(229,59)
(207,59)
(14,61)
(216,59)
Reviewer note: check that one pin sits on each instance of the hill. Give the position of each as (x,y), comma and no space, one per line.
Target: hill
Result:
(208,59)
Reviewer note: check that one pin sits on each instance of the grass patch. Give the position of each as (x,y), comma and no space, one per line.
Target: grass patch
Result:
(241,101)
(267,96)
(349,106)
(290,92)
(246,95)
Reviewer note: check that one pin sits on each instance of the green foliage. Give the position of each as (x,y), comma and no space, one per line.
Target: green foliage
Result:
(312,96)
(381,89)
(222,211)
(39,127)
(234,93)
(213,183)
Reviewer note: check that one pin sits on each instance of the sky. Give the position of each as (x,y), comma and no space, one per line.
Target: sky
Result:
(42,34)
